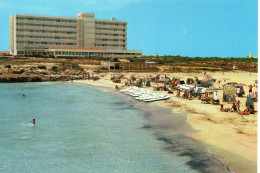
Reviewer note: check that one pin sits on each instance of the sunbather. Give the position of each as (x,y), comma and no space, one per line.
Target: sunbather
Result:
(245,112)
(222,109)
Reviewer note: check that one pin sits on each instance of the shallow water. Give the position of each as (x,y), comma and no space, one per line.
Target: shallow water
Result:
(85,129)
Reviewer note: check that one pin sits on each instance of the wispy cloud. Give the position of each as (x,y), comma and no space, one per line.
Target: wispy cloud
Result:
(111,4)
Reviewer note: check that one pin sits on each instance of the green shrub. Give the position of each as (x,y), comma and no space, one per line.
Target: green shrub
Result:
(55,69)
(71,66)
(42,67)
(76,67)
(51,56)
(8,66)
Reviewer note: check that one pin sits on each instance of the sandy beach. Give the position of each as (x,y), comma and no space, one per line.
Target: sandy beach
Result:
(231,136)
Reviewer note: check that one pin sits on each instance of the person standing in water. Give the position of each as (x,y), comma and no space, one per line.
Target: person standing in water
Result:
(33,121)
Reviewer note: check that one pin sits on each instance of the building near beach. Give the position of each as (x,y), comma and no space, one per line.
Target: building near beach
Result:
(67,36)
(4,53)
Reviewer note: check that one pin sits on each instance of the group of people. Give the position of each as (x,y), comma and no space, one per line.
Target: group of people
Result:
(234,108)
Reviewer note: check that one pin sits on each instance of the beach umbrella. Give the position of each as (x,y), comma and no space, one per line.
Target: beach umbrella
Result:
(232,83)
(240,84)
(229,90)
(207,79)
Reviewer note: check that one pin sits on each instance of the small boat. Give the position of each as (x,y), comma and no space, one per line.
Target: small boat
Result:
(144,95)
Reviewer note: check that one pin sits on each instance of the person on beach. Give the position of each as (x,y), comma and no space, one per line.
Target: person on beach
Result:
(245,112)
(222,109)
(33,121)
(250,88)
(238,105)
(234,108)
(190,93)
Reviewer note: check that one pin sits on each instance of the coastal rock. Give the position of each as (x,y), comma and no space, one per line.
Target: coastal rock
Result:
(20,79)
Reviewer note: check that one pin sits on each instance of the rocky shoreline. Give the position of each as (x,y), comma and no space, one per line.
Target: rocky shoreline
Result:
(40,73)
(8,79)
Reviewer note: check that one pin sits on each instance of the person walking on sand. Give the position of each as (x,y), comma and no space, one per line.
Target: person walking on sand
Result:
(250,88)
(33,121)
(238,105)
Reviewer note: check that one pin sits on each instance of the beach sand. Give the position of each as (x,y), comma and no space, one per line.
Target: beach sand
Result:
(231,136)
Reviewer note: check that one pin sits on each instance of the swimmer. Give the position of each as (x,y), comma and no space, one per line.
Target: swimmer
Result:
(23,95)
(33,121)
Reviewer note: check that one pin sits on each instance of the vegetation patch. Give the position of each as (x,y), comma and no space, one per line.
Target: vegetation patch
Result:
(71,66)
(42,67)
(55,69)
(8,66)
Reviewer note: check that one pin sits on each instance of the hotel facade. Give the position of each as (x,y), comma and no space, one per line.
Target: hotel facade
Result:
(69,37)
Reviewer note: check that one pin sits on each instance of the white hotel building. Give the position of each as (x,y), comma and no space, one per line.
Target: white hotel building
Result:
(69,37)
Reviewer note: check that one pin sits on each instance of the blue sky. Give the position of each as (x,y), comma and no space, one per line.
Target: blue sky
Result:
(224,28)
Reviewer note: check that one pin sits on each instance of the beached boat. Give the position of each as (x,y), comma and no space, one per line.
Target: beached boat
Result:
(158,98)
(144,95)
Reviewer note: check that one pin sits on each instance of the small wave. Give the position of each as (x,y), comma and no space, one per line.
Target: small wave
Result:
(24,137)
(29,125)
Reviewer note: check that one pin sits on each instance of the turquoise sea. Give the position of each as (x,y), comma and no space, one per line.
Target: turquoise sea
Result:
(80,128)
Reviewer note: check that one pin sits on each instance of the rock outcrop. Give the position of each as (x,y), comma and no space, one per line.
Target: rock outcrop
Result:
(39,73)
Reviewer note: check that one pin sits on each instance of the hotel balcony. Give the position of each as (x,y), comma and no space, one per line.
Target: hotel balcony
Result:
(46,28)
(28,33)
(110,37)
(46,23)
